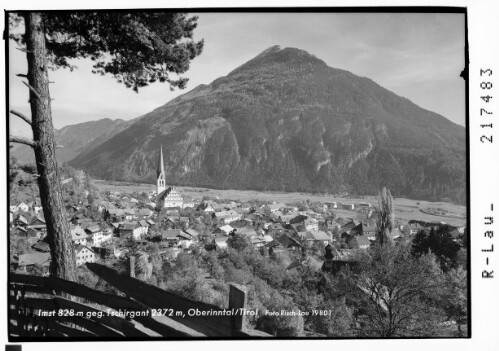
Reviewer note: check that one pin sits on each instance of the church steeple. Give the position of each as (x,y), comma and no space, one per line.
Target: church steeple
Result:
(160,173)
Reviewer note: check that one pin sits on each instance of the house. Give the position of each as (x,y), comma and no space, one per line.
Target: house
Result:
(172,236)
(331,205)
(192,232)
(288,242)
(221,243)
(28,262)
(415,227)
(206,207)
(241,223)
(260,240)
(275,207)
(365,229)
(228,216)
(34,233)
(347,227)
(84,254)
(311,224)
(294,229)
(246,206)
(335,260)
(78,236)
(364,205)
(257,241)
(312,236)
(95,235)
(80,219)
(177,237)
(116,214)
(185,240)
(21,222)
(358,242)
(144,224)
(144,213)
(41,246)
(248,232)
(275,229)
(143,228)
(396,234)
(298,219)
(184,221)
(426,225)
(225,229)
(217,207)
(130,229)
(21,232)
(129,214)
(23,207)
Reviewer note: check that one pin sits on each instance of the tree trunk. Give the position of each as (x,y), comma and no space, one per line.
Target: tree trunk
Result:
(58,230)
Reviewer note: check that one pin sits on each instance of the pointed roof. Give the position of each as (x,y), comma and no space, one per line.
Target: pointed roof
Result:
(161,166)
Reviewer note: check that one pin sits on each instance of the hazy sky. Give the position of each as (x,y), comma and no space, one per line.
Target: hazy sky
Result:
(418,56)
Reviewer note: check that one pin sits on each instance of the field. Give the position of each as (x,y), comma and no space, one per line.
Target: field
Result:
(405,209)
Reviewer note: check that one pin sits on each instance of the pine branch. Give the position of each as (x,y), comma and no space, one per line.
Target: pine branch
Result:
(33,90)
(22,140)
(22,116)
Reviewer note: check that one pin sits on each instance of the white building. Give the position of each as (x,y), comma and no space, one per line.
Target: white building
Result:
(78,236)
(228,216)
(95,235)
(22,207)
(84,254)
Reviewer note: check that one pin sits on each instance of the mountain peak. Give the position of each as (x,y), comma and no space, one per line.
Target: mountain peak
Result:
(270,50)
(286,121)
(278,55)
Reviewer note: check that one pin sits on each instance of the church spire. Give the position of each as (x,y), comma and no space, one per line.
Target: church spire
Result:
(161,166)
(160,174)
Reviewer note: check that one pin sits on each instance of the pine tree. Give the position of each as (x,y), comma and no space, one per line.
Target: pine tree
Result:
(137,48)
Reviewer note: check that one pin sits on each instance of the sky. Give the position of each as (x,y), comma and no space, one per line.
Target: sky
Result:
(417,56)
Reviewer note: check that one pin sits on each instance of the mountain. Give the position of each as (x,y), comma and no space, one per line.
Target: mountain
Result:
(286,121)
(75,139)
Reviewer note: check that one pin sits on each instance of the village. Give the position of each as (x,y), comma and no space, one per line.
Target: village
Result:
(177,224)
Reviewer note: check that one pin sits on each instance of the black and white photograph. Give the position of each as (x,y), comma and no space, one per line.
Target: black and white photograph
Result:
(211,173)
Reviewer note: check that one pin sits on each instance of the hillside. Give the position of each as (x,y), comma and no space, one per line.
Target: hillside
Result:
(75,139)
(286,121)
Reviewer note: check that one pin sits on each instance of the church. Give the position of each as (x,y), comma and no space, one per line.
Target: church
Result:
(166,197)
